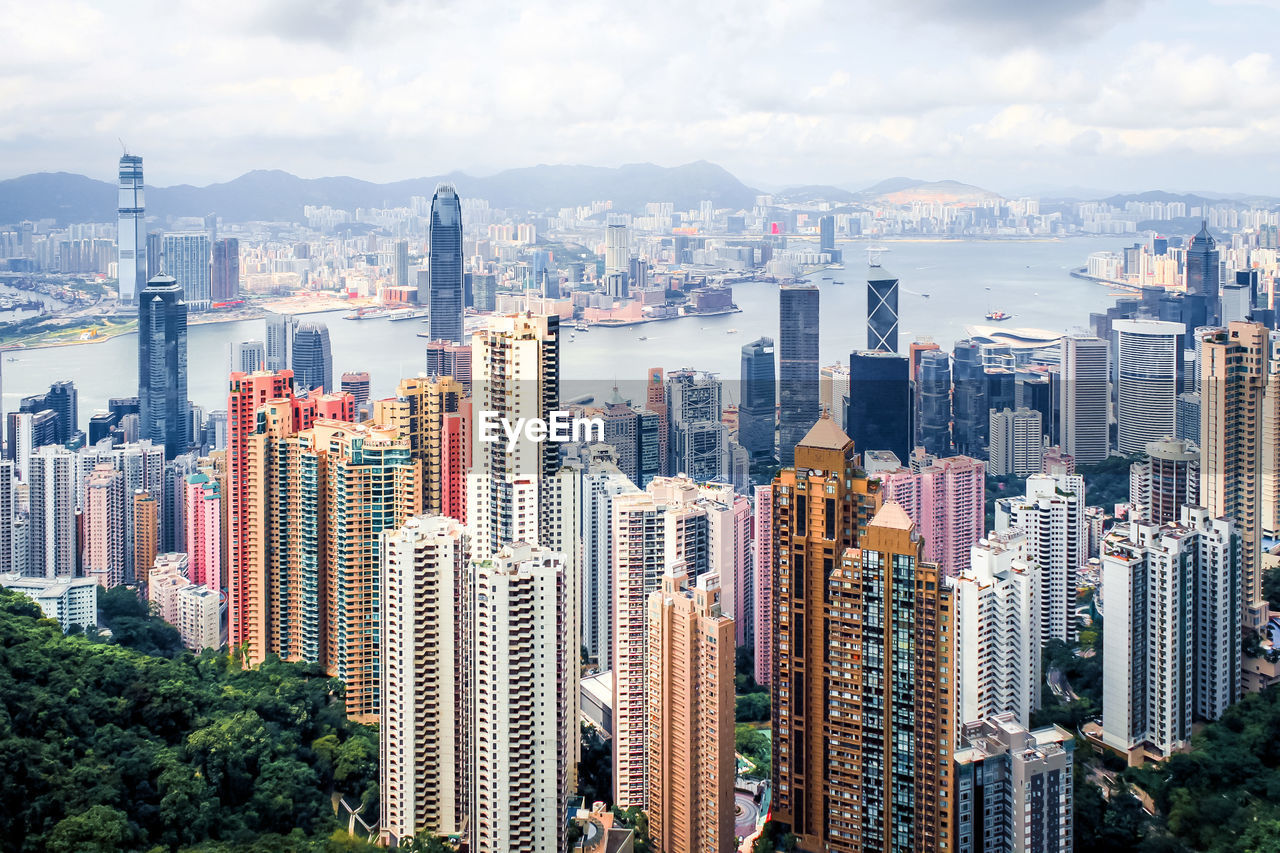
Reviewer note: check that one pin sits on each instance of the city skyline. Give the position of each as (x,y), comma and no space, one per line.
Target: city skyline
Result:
(996,95)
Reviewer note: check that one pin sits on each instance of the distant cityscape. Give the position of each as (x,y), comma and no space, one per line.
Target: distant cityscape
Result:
(920,599)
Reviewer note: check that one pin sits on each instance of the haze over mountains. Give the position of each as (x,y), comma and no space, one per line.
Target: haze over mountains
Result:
(273,195)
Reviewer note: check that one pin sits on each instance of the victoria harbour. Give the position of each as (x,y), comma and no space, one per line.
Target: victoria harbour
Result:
(963,281)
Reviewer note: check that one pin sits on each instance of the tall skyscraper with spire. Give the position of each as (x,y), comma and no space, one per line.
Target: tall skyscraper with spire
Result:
(163,409)
(882,309)
(131,233)
(1203,277)
(444,266)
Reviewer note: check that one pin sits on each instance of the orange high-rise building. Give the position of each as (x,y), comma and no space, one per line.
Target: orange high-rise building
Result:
(862,705)
(146,532)
(819,508)
(418,412)
(691,718)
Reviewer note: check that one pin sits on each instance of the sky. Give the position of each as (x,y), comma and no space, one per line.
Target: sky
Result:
(1018,96)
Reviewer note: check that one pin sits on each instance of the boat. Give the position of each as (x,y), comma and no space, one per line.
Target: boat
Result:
(998,316)
(925,295)
(367,314)
(407,314)
(642,338)
(731,331)
(581,326)
(826,278)
(837,282)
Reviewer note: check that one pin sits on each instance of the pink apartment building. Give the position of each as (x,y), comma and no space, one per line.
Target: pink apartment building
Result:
(947,502)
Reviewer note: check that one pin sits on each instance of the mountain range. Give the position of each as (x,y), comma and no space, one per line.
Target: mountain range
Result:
(273,195)
(279,196)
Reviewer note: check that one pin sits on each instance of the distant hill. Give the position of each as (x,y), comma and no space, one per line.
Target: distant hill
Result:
(894,191)
(889,185)
(1157,195)
(816,192)
(277,195)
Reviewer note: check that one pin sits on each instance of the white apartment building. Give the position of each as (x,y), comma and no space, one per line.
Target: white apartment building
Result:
(71,601)
(424,778)
(997,635)
(1052,515)
(1171,648)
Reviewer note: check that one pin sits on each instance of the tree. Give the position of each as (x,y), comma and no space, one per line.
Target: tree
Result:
(101,829)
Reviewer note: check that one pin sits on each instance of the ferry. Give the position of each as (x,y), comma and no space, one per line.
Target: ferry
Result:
(368,314)
(837,282)
(998,316)
(407,314)
(581,326)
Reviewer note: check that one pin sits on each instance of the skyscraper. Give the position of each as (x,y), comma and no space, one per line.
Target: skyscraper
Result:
(690,699)
(864,708)
(1172,641)
(1052,516)
(827,234)
(131,231)
(880,402)
(312,360)
(969,401)
(246,568)
(8,515)
(318,500)
(617,259)
(933,414)
(1084,431)
(226,270)
(402,263)
(203,516)
(1166,481)
(675,521)
(697,437)
(104,526)
(1016,442)
(163,408)
(882,310)
(417,413)
(146,531)
(797,366)
(62,398)
(515,369)
(425,772)
(1148,379)
(1203,278)
(52,495)
(600,482)
(757,407)
(444,238)
(946,499)
(280,332)
(1234,369)
(997,639)
(524,682)
(357,385)
(186,259)
(1013,787)
(762,588)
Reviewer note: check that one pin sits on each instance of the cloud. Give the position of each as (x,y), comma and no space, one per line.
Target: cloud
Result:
(808,91)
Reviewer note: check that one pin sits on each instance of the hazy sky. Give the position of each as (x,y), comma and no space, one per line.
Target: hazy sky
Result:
(1008,94)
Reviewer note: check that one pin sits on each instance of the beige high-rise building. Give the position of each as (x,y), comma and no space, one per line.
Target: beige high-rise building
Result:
(1234,371)
(104,526)
(691,718)
(515,370)
(426,661)
(674,524)
(418,412)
